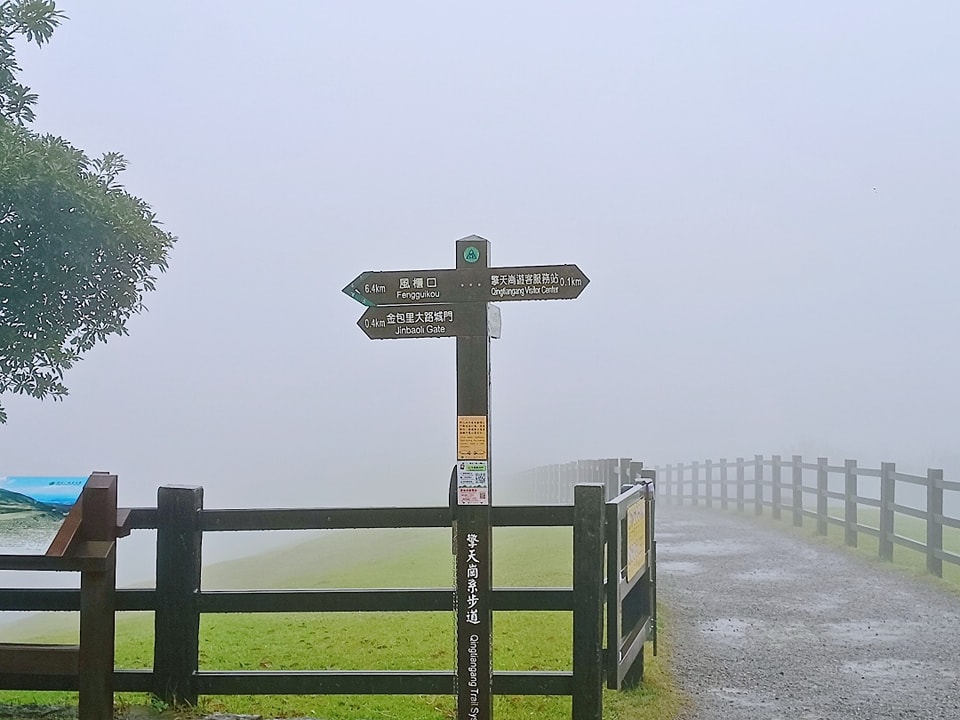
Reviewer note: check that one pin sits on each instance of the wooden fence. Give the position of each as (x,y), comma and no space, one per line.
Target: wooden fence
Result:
(552,484)
(814,490)
(178,602)
(631,584)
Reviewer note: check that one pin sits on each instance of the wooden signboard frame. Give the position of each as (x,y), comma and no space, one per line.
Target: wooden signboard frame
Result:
(86,543)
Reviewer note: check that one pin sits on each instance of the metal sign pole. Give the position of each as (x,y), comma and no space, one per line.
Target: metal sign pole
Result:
(473,556)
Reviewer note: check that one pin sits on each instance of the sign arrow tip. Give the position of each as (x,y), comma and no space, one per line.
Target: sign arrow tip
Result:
(352,289)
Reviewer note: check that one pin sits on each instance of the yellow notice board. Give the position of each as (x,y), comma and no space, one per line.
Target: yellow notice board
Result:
(471,437)
(636,538)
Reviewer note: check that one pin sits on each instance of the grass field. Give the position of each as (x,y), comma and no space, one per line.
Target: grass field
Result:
(353,641)
(905,558)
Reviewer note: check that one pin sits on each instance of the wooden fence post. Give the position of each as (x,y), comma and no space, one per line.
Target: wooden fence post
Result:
(740,484)
(775,494)
(97,601)
(177,619)
(708,471)
(679,483)
(797,491)
(887,489)
(758,484)
(822,524)
(625,475)
(850,502)
(695,487)
(935,522)
(723,483)
(588,535)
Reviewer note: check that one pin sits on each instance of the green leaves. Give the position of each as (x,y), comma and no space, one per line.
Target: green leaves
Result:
(35,20)
(77,253)
(16,104)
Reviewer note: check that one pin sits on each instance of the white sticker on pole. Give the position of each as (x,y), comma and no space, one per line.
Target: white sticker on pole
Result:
(472,483)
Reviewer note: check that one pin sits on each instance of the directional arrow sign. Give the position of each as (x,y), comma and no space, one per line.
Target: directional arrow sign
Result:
(406,287)
(467,285)
(420,321)
(535,282)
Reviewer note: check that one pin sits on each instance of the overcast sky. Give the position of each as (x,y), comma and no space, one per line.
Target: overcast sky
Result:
(763,195)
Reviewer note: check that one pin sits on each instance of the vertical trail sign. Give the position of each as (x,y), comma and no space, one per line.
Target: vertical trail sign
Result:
(473,602)
(454,303)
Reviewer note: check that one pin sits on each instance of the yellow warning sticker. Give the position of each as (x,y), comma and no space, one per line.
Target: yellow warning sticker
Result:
(471,437)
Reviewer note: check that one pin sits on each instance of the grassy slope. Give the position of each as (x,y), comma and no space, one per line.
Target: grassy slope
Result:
(905,558)
(908,527)
(384,558)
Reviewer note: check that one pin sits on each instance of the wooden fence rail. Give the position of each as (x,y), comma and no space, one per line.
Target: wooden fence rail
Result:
(553,484)
(804,490)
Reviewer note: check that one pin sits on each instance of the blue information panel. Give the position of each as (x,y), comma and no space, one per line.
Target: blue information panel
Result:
(32,510)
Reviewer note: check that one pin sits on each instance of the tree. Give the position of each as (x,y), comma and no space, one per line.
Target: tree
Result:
(77,251)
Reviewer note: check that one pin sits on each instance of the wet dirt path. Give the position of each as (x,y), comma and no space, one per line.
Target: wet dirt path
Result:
(766,625)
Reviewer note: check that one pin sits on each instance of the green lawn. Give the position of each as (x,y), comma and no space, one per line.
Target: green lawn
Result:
(904,525)
(353,641)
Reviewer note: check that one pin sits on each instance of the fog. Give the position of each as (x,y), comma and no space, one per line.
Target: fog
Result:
(763,195)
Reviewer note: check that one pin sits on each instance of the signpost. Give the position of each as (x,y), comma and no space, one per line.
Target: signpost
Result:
(454,303)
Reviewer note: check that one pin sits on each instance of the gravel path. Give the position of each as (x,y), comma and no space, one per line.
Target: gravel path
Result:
(768,626)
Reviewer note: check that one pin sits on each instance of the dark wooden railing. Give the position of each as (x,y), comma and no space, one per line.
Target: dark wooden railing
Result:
(631,578)
(804,490)
(550,484)
(178,601)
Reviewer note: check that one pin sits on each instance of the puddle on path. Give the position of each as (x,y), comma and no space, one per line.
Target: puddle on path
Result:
(662,535)
(679,567)
(822,603)
(764,575)
(744,697)
(887,668)
(873,630)
(757,632)
(709,547)
(729,628)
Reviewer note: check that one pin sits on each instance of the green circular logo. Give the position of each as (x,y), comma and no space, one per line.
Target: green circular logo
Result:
(471,254)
